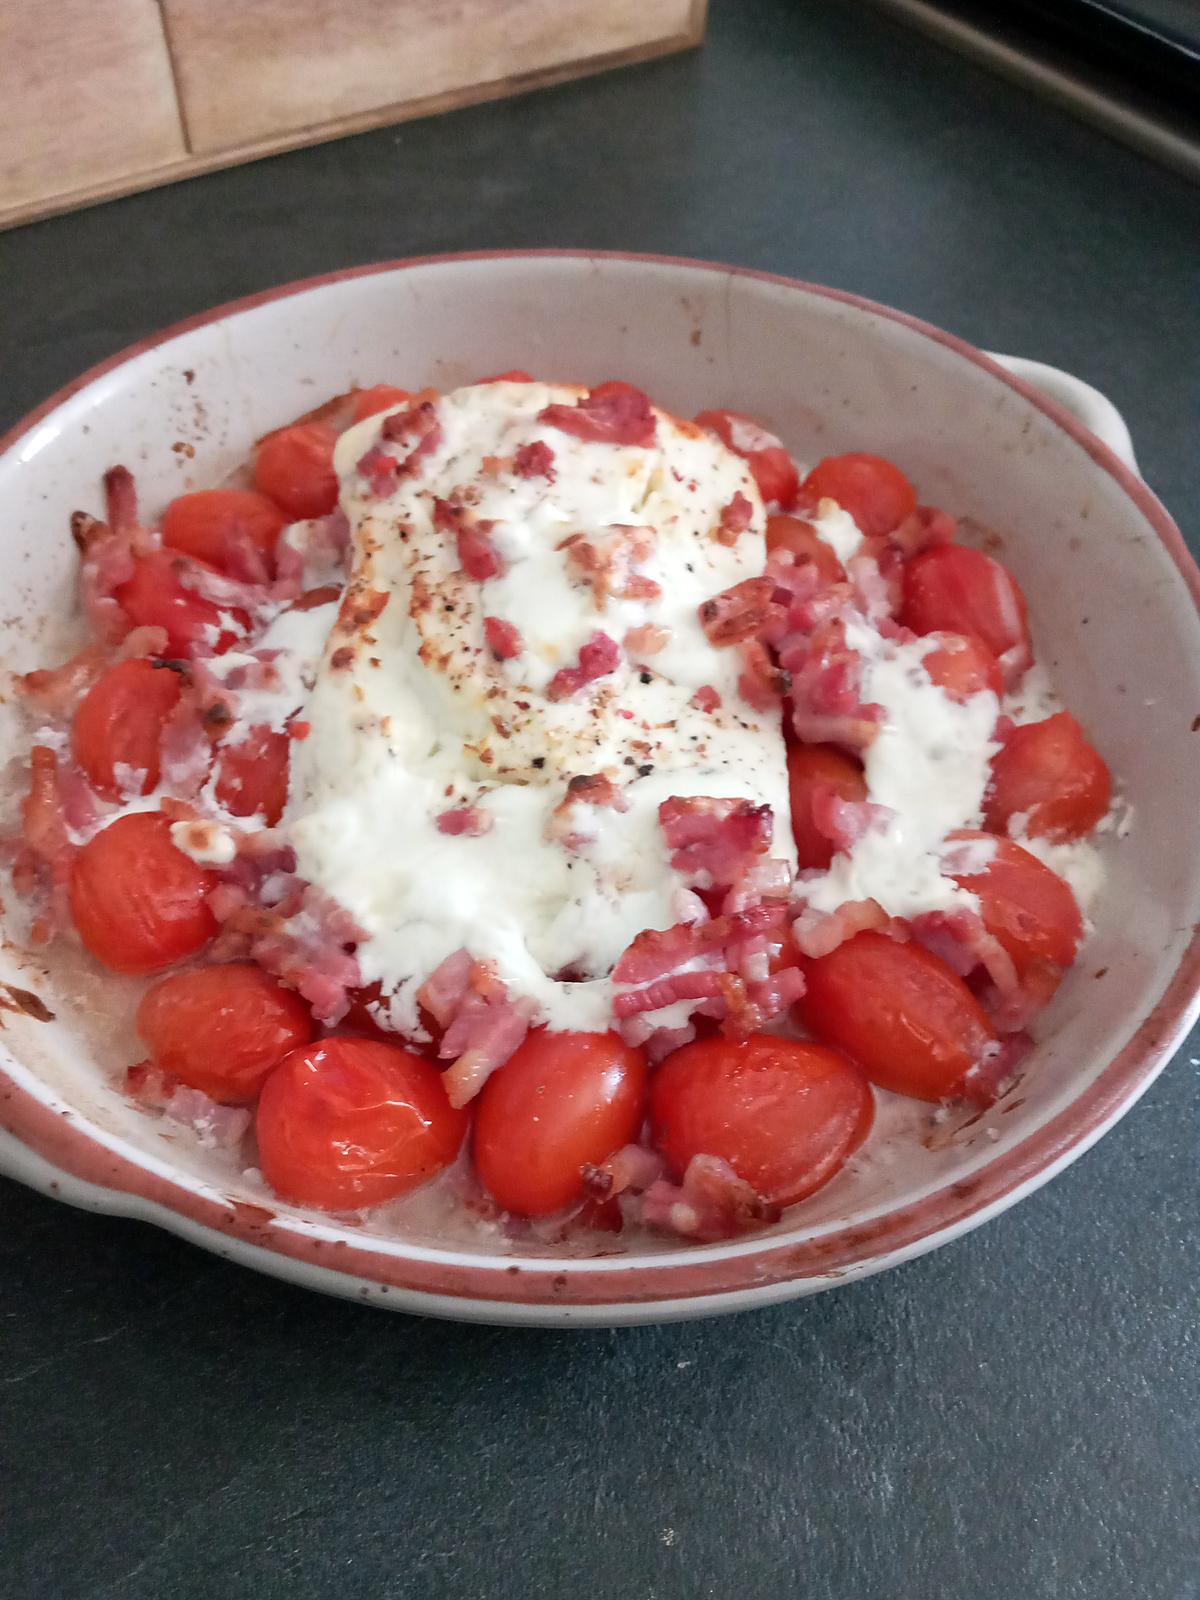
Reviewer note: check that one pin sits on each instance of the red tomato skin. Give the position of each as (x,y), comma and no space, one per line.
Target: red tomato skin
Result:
(120,723)
(154,597)
(962,665)
(138,903)
(213,526)
(252,775)
(221,1029)
(346,1123)
(952,588)
(294,467)
(1050,774)
(380,397)
(784,1113)
(909,1021)
(1030,910)
(874,492)
(811,766)
(562,1101)
(772,469)
(802,539)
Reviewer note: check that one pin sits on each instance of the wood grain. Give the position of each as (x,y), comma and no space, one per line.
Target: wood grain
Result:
(88,98)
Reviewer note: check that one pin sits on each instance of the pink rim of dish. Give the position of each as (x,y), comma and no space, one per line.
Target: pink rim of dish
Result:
(61,1140)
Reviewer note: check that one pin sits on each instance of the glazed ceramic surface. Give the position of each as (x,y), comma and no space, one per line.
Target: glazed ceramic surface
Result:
(1113,599)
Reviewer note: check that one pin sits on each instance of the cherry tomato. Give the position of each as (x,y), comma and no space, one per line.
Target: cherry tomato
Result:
(154,597)
(783,1113)
(563,1101)
(962,665)
(120,724)
(1024,905)
(381,397)
(294,467)
(138,903)
(221,1029)
(911,1023)
(802,539)
(234,530)
(811,768)
(960,590)
(875,493)
(772,469)
(252,775)
(1048,773)
(345,1123)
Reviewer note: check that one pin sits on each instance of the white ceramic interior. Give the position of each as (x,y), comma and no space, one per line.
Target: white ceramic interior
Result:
(1113,618)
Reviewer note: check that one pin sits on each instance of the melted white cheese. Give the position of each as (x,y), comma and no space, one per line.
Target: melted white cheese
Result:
(412,716)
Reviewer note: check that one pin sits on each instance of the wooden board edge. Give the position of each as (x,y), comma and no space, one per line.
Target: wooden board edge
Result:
(193,166)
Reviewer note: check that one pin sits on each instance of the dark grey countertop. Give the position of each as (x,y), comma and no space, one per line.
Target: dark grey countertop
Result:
(1013,1418)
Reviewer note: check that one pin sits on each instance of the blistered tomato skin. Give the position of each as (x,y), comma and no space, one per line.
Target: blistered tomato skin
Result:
(348,1123)
(119,725)
(1051,777)
(1030,910)
(154,597)
(562,1102)
(909,1021)
(955,589)
(784,1113)
(874,492)
(225,528)
(294,468)
(771,467)
(962,665)
(221,1029)
(138,903)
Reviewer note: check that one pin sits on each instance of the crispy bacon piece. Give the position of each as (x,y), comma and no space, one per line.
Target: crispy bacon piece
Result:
(469,820)
(483,1026)
(714,841)
(380,468)
(585,789)
(735,519)
(534,460)
(120,499)
(605,563)
(56,691)
(762,683)
(503,638)
(598,656)
(612,413)
(818,932)
(419,426)
(738,613)
(477,554)
(656,952)
(710,1203)
(629,1170)
(706,698)
(826,676)
(844,822)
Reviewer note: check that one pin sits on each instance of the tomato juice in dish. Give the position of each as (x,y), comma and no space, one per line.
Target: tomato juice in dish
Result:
(578,815)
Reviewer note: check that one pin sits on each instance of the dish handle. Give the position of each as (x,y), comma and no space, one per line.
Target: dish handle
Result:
(1095,410)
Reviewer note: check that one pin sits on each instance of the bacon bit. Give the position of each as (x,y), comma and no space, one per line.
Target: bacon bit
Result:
(711,1203)
(712,841)
(990,1079)
(299,730)
(483,1026)
(735,519)
(646,640)
(446,987)
(844,822)
(587,789)
(605,563)
(739,612)
(43,824)
(611,413)
(656,951)
(598,656)
(629,1170)
(706,698)
(503,638)
(534,460)
(826,682)
(57,690)
(470,821)
(120,497)
(761,683)
(420,422)
(380,469)
(477,554)
(818,932)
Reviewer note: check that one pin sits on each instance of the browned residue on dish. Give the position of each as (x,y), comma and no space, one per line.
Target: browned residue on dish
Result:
(24,1000)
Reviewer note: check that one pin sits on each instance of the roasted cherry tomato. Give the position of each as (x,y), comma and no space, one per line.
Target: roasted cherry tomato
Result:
(563,1101)
(875,493)
(221,1029)
(783,1113)
(120,724)
(294,467)
(950,587)
(814,769)
(1025,906)
(1048,773)
(345,1123)
(381,397)
(234,530)
(802,539)
(154,597)
(252,775)
(138,903)
(772,469)
(962,665)
(911,1023)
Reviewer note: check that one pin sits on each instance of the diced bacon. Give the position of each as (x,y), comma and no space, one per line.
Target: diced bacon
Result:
(380,468)
(43,824)
(446,987)
(876,582)
(107,563)
(420,426)
(471,821)
(566,824)
(987,1082)
(598,656)
(738,613)
(219,588)
(656,951)
(762,683)
(629,1170)
(120,497)
(714,841)
(826,690)
(56,691)
(770,878)
(667,991)
(487,1026)
(306,939)
(477,553)
(612,413)
(605,563)
(216,1126)
(711,1203)
(818,932)
(706,698)
(735,519)
(649,639)
(187,739)
(844,822)
(962,941)
(503,638)
(534,460)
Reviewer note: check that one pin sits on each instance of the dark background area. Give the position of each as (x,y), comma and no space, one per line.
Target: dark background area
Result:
(1013,1418)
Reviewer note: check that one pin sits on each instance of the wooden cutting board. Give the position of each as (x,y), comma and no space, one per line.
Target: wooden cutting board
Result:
(102,97)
